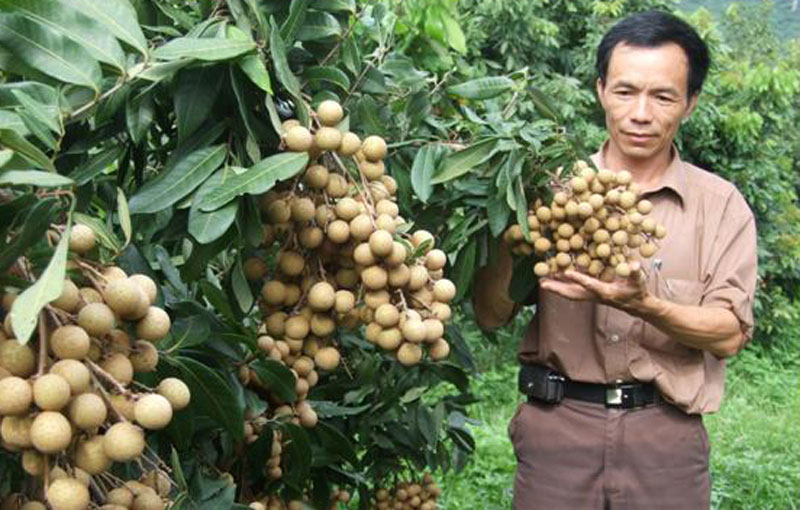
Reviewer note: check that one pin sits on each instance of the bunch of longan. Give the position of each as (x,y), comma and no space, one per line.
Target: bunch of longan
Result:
(73,413)
(596,223)
(345,260)
(409,495)
(274,502)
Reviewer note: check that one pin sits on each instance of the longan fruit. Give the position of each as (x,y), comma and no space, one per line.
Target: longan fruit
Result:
(311,237)
(70,342)
(434,329)
(399,276)
(374,148)
(386,223)
(374,277)
(372,170)
(88,411)
(121,496)
(50,432)
(286,125)
(274,292)
(409,354)
(387,315)
(291,263)
(308,418)
(33,463)
(123,441)
(339,231)
(390,339)
(660,232)
(422,237)
(541,269)
(147,501)
(346,209)
(153,411)
(16,431)
(327,358)
(362,255)
(17,358)
(627,199)
(298,139)
(316,176)
(623,269)
(328,138)
(337,186)
(16,396)
(154,325)
(297,327)
(114,273)
(444,290)
(119,367)
(70,297)
(578,184)
(90,456)
(543,214)
(81,239)
(435,259)
(330,112)
(418,277)
(176,392)
(147,285)
(351,144)
(51,392)
(126,298)
(144,357)
(414,330)
(68,494)
(647,250)
(623,177)
(644,206)
(542,245)
(97,319)
(75,373)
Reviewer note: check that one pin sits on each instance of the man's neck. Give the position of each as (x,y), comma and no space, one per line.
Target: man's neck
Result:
(646,172)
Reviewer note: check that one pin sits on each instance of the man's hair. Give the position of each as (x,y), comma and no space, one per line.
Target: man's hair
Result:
(652,29)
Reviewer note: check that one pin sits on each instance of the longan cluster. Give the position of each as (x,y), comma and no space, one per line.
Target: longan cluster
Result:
(345,260)
(597,223)
(252,430)
(274,502)
(74,409)
(409,495)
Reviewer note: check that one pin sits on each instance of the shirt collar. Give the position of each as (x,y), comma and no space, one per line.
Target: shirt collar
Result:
(674,177)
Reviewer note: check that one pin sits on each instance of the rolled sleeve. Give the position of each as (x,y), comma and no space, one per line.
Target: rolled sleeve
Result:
(731,280)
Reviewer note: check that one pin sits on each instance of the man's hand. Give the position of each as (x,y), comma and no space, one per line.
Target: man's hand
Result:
(627,294)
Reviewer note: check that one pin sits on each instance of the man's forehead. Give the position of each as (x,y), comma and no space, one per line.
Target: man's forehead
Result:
(666,60)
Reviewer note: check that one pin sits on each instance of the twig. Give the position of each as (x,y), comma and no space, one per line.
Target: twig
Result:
(108,378)
(42,343)
(88,106)
(107,399)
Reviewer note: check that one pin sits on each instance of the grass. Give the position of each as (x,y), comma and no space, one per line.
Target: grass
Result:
(755,437)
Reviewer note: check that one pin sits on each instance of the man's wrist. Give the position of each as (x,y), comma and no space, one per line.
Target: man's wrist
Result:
(648,307)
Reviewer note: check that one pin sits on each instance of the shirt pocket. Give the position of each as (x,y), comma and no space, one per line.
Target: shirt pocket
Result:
(681,291)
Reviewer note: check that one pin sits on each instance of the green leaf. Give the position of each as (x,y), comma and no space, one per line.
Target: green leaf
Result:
(241,289)
(26,149)
(456,165)
(187,332)
(178,181)
(34,178)
(124,215)
(523,280)
(203,49)
(118,16)
(464,270)
(497,210)
(276,377)
(318,25)
(454,34)
(37,110)
(329,74)
(297,14)
(104,235)
(96,164)
(282,70)
(49,52)
(48,287)
(257,179)
(212,395)
(139,113)
(5,156)
(82,29)
(521,207)
(543,104)
(195,94)
(482,88)
(256,70)
(32,230)
(210,226)
(159,71)
(422,172)
(335,5)
(298,455)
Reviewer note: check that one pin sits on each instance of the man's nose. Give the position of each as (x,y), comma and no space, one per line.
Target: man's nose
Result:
(641,112)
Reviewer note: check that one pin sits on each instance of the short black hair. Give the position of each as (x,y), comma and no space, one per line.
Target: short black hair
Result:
(652,29)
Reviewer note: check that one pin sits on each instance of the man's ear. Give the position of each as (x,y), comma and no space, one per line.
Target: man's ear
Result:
(691,106)
(600,86)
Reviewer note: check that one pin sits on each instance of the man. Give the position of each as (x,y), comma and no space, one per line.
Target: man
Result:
(629,367)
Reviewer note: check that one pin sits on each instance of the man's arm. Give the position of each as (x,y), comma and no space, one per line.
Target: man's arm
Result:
(493,306)
(714,329)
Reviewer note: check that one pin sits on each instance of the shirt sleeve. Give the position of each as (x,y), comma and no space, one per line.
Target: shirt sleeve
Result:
(733,271)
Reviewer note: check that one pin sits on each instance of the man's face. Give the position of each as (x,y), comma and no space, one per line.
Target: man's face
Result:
(644,97)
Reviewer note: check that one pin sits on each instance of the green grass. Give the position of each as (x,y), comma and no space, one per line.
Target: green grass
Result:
(755,437)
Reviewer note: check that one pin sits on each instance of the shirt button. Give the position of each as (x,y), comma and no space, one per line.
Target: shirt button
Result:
(614,338)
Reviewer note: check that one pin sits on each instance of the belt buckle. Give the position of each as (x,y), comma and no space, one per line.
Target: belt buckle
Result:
(620,395)
(614,396)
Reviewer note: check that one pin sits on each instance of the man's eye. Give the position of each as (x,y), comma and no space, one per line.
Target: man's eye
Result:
(665,99)
(624,93)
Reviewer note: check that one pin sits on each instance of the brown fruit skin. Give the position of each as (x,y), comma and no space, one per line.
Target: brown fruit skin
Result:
(176,392)
(68,494)
(328,138)
(69,300)
(409,354)
(70,342)
(90,456)
(144,357)
(147,501)
(16,431)
(123,441)
(75,373)
(374,148)
(81,239)
(330,112)
(154,325)
(298,139)
(153,411)
(351,144)
(51,392)
(120,367)
(97,319)
(16,396)
(147,285)
(88,411)
(121,496)
(17,358)
(327,358)
(126,298)
(51,432)
(33,462)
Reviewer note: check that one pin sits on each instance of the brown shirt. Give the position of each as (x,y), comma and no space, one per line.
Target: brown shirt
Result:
(707,259)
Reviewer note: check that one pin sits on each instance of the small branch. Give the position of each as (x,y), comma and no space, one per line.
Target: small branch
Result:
(108,378)
(42,343)
(97,100)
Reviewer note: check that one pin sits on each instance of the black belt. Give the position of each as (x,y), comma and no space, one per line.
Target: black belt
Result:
(542,384)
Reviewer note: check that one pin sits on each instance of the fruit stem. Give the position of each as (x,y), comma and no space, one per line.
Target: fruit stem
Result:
(108,378)
(106,398)
(42,344)
(402,299)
